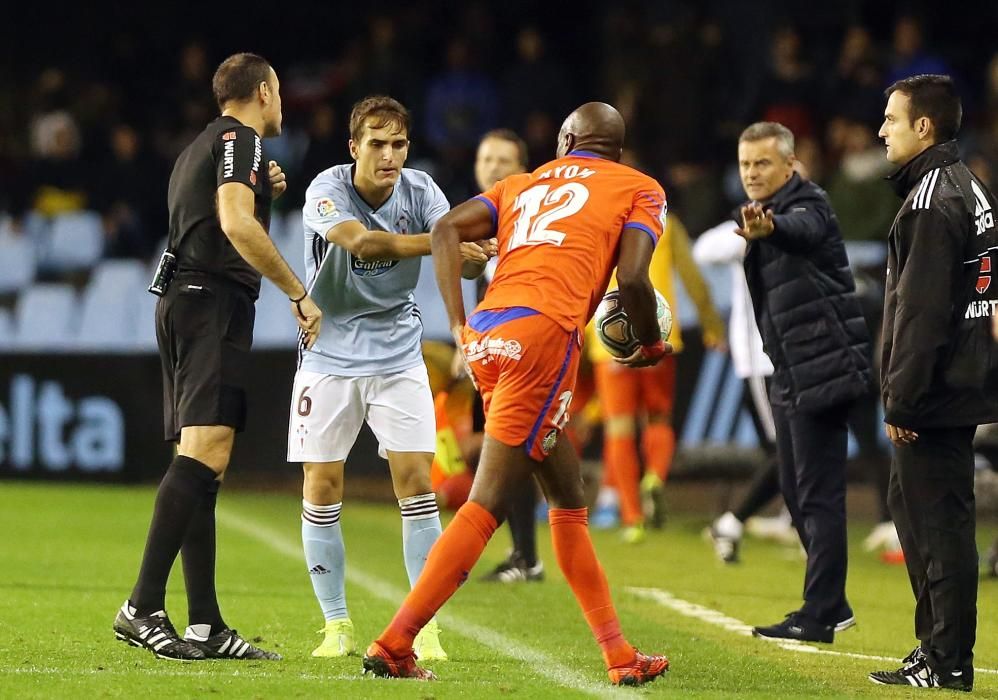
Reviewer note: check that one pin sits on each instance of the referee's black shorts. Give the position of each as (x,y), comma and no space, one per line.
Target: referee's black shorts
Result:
(204,328)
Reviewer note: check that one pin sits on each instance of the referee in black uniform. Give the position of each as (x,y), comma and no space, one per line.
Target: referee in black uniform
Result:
(939,374)
(219,201)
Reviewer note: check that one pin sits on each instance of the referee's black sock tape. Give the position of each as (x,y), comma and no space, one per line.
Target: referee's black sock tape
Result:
(197,470)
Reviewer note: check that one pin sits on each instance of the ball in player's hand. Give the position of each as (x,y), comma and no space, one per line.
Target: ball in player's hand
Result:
(614,330)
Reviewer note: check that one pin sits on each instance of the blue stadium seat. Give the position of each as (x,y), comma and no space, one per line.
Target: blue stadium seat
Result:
(289,237)
(144,339)
(45,318)
(6,330)
(108,320)
(866,253)
(76,242)
(274,326)
(17,262)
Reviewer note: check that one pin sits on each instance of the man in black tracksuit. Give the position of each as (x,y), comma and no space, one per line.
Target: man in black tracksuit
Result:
(939,376)
(813,330)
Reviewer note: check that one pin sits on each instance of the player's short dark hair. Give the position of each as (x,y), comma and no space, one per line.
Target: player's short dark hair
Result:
(933,97)
(512,137)
(383,110)
(238,78)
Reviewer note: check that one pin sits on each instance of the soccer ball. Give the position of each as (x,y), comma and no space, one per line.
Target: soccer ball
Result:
(613,328)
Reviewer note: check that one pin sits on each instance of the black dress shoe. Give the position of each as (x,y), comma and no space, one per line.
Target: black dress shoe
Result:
(799,627)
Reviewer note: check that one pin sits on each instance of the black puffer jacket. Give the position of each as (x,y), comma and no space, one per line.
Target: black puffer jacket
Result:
(940,364)
(805,302)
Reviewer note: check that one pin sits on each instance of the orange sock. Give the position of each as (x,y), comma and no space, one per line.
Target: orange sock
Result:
(577,560)
(451,559)
(622,461)
(658,443)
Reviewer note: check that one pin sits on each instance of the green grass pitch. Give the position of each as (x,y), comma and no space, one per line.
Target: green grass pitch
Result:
(69,554)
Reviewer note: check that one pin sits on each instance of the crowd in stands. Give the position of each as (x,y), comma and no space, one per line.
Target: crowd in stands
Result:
(85,155)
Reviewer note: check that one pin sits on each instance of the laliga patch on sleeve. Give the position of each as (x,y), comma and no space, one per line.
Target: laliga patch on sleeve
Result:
(325,207)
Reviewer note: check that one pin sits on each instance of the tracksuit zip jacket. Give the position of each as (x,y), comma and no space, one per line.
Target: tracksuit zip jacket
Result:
(939,362)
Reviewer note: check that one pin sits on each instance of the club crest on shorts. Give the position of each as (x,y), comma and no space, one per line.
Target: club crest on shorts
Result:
(326,207)
(548,443)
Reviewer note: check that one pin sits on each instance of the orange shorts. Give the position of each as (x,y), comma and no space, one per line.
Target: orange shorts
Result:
(626,391)
(525,365)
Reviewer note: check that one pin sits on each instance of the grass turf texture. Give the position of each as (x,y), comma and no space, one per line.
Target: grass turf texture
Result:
(69,554)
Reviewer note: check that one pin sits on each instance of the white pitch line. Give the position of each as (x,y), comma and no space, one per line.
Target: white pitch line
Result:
(719,619)
(542,664)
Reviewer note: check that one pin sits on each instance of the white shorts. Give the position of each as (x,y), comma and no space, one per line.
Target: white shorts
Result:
(327,412)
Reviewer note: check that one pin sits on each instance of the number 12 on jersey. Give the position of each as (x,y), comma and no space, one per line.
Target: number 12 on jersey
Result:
(532,227)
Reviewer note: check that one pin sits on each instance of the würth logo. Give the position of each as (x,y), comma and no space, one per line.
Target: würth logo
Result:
(984,278)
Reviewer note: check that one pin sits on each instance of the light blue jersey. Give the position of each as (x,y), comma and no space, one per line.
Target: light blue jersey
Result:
(370,323)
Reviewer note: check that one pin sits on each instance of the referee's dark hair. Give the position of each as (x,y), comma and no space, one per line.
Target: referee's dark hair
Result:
(238,78)
(933,97)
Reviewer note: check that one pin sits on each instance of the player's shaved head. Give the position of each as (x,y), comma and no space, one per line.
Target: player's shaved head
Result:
(595,127)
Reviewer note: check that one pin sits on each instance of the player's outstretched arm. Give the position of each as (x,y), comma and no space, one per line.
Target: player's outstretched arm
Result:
(466,223)
(377,245)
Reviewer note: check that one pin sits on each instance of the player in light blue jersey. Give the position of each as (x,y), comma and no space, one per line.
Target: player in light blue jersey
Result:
(363,224)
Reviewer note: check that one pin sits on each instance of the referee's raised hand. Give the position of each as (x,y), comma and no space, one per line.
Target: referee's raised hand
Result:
(309,318)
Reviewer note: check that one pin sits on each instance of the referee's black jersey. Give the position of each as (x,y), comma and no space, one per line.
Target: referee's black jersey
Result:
(226,151)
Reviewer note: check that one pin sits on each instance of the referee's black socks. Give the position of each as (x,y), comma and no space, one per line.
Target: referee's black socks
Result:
(181,493)
(198,556)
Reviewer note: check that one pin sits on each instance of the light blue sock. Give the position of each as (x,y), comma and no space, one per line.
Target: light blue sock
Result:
(420,529)
(325,557)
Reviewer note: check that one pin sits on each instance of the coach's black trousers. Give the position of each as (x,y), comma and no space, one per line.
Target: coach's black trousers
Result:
(931,498)
(812,453)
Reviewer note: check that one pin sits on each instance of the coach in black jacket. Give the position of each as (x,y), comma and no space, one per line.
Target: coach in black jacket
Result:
(939,371)
(813,330)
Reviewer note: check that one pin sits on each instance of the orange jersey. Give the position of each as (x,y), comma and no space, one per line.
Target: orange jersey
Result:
(559,233)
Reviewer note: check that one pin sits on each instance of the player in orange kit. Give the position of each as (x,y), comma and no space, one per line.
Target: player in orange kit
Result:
(628,396)
(561,231)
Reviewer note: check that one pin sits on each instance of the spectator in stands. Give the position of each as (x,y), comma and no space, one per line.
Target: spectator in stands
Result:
(129,194)
(862,200)
(789,92)
(633,398)
(855,87)
(57,174)
(461,103)
(324,147)
(534,83)
(910,57)
(386,69)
